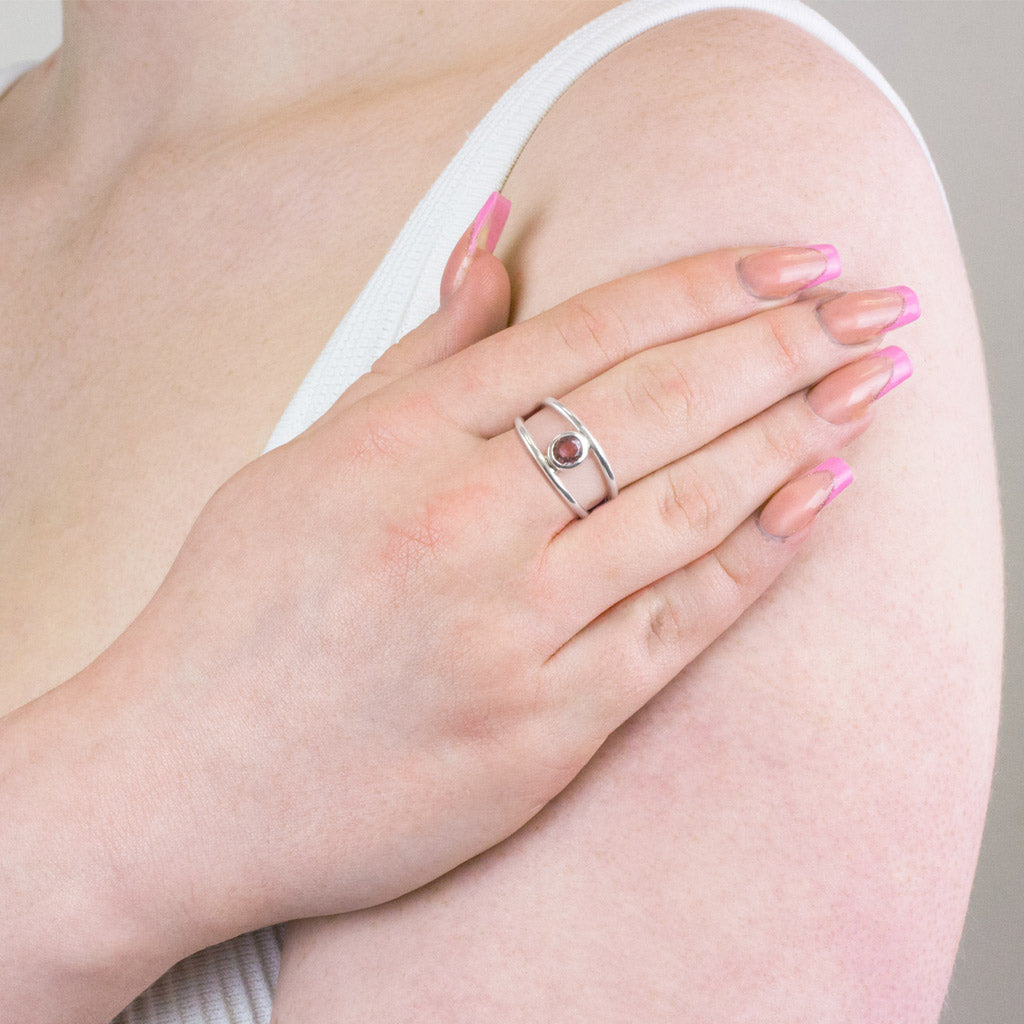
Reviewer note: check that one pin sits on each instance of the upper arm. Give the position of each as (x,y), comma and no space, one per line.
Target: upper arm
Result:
(788,831)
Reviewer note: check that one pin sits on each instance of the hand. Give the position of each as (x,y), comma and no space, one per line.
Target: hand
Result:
(387,644)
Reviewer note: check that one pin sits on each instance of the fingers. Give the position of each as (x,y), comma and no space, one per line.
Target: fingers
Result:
(617,663)
(676,515)
(662,404)
(475,302)
(508,375)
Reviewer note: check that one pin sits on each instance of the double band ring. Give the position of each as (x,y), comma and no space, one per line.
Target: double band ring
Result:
(567,450)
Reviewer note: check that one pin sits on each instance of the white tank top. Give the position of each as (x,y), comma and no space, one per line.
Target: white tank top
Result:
(233,983)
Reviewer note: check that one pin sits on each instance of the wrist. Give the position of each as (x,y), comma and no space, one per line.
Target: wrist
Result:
(94,907)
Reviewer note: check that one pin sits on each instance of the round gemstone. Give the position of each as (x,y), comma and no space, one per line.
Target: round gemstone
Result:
(568,450)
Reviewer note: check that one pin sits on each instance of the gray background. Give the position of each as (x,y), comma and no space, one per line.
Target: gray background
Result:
(957,64)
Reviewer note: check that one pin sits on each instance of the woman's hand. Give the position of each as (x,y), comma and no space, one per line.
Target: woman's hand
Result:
(387,644)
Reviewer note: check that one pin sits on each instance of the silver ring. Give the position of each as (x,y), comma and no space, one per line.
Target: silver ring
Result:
(567,450)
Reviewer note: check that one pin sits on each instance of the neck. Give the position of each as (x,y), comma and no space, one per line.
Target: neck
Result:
(134,73)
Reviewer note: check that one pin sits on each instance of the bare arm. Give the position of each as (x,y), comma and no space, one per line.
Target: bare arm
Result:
(789,831)
(97,898)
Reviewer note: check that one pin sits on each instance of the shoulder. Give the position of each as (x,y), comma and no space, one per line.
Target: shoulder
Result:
(685,135)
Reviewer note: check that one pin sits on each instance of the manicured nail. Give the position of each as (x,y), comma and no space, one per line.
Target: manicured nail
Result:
(484,234)
(845,394)
(794,507)
(911,307)
(489,223)
(860,316)
(776,273)
(902,368)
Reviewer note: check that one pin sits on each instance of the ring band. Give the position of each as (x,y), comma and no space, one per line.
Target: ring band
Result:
(567,450)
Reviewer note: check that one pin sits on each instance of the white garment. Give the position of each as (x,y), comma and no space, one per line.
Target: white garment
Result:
(233,983)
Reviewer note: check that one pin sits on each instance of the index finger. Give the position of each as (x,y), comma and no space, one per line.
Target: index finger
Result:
(485,386)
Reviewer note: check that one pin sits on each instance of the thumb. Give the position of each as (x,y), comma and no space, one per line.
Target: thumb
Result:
(475,292)
(479,238)
(475,300)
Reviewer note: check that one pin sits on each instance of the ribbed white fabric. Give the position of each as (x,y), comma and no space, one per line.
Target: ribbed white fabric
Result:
(233,983)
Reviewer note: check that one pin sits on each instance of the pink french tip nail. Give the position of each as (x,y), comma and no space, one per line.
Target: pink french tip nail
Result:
(489,223)
(833,266)
(911,307)
(902,367)
(842,476)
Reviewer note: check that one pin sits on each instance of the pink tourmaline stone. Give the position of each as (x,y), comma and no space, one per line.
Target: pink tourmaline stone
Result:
(567,450)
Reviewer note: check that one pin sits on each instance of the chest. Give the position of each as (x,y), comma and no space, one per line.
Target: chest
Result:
(150,337)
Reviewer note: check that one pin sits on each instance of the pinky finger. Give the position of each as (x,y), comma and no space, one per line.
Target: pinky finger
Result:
(614,666)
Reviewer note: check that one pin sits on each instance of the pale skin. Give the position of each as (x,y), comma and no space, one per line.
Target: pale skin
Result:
(789,830)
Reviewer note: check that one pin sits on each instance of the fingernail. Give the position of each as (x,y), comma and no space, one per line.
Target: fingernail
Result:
(776,273)
(489,223)
(860,316)
(845,394)
(911,307)
(794,507)
(902,368)
(485,232)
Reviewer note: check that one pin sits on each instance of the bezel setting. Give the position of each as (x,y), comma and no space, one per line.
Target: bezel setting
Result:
(572,440)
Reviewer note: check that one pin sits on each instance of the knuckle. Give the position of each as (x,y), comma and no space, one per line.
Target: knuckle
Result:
(783,333)
(697,292)
(781,442)
(737,576)
(592,330)
(512,711)
(664,624)
(658,388)
(482,724)
(689,504)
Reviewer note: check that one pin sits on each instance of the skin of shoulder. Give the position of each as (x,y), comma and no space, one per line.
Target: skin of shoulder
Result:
(789,830)
(671,145)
